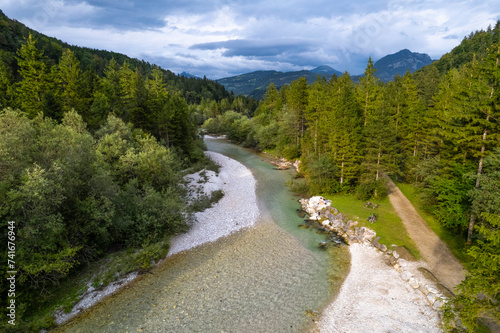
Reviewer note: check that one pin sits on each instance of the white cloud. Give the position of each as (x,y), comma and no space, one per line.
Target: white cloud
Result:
(299,34)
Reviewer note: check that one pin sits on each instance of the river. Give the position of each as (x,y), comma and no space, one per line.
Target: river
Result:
(268,278)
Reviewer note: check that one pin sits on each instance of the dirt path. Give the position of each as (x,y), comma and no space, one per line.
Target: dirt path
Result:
(443,264)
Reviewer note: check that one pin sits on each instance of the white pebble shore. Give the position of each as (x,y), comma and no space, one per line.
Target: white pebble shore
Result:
(236,210)
(374,298)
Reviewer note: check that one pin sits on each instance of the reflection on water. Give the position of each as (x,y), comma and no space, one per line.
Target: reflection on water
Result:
(262,279)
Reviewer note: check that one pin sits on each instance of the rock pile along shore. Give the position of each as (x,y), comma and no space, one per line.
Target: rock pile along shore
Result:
(321,209)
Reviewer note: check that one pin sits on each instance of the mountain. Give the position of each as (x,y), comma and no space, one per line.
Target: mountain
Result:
(254,84)
(326,70)
(399,62)
(189,76)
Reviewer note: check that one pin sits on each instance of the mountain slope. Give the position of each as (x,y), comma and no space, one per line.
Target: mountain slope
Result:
(254,84)
(14,33)
(326,70)
(474,45)
(399,62)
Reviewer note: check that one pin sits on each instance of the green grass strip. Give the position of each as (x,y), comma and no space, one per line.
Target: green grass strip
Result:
(388,225)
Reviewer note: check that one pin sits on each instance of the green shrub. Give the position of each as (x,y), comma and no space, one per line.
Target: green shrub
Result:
(299,186)
(150,253)
(372,189)
(206,201)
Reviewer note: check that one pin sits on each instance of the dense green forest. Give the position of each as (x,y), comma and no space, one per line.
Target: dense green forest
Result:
(438,128)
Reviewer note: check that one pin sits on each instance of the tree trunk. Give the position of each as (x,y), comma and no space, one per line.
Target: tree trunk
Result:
(416,142)
(342,171)
(378,160)
(397,119)
(366,108)
(316,136)
(472,219)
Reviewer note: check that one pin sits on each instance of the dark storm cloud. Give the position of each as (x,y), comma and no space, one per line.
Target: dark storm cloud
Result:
(224,37)
(256,48)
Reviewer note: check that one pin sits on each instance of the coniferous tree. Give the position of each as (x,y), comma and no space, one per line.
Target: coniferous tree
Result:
(468,116)
(380,143)
(69,81)
(315,117)
(346,123)
(484,114)
(34,84)
(368,91)
(109,88)
(477,296)
(5,85)
(297,98)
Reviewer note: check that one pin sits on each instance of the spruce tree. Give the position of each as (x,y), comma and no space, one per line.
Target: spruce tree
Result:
(315,116)
(380,143)
(297,98)
(33,86)
(368,91)
(345,125)
(68,79)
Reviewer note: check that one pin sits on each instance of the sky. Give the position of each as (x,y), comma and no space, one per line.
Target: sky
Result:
(221,38)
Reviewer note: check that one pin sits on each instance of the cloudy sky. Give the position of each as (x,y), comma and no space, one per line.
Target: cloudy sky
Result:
(220,38)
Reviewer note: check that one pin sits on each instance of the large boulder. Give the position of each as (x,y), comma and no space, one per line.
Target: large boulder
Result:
(315,205)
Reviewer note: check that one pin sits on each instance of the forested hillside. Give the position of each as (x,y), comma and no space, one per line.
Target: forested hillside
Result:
(254,84)
(475,45)
(94,62)
(440,131)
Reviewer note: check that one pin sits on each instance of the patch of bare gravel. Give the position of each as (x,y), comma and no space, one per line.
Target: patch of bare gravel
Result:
(236,210)
(374,298)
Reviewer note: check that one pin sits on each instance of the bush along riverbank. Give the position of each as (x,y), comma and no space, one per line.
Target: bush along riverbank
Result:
(329,219)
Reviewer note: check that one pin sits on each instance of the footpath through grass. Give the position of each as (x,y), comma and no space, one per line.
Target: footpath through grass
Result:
(388,225)
(456,245)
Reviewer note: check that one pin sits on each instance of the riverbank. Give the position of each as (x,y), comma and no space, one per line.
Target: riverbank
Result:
(383,292)
(253,277)
(257,279)
(236,210)
(374,298)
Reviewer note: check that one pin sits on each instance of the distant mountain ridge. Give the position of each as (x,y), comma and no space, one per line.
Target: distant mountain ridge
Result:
(254,84)
(188,75)
(325,70)
(399,62)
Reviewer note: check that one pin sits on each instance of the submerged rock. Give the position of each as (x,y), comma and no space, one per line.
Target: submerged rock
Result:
(414,283)
(405,275)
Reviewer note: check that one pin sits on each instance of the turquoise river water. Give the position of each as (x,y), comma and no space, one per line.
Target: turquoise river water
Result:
(268,278)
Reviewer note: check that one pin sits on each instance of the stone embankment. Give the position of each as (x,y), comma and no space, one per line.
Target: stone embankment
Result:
(321,210)
(284,164)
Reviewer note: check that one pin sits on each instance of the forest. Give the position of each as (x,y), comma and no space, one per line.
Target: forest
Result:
(438,128)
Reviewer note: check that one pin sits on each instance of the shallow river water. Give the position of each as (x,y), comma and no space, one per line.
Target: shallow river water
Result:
(268,278)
